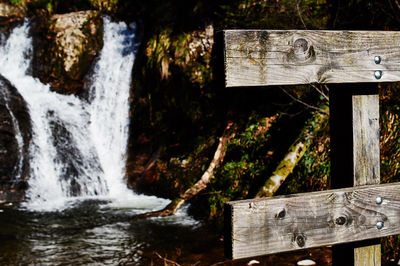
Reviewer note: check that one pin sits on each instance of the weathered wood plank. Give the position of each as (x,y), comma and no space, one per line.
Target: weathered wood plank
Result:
(366,167)
(367,256)
(286,223)
(366,153)
(273,57)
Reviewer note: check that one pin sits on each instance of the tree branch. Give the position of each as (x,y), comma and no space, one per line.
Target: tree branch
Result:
(294,155)
(202,183)
(306,104)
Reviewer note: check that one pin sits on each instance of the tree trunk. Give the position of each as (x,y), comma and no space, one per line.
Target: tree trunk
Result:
(200,185)
(296,151)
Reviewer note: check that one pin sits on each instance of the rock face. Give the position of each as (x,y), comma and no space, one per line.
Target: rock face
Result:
(7,10)
(65,49)
(15,135)
(74,33)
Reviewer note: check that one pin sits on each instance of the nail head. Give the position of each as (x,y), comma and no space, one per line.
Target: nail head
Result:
(378,74)
(379,225)
(379,200)
(377,59)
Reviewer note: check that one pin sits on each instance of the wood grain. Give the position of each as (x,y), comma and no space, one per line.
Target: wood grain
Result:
(271,57)
(366,158)
(366,167)
(286,223)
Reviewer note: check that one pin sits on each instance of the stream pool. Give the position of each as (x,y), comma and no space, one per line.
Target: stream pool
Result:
(93,232)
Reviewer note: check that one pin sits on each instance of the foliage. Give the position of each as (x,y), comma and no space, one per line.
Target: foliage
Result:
(16,2)
(313,170)
(247,158)
(274,14)
(390,133)
(104,5)
(390,152)
(172,175)
(48,5)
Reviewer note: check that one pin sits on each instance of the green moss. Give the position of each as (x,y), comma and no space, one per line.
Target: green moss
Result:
(104,5)
(16,2)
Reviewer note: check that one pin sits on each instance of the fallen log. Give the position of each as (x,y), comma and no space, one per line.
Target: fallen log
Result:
(296,151)
(202,183)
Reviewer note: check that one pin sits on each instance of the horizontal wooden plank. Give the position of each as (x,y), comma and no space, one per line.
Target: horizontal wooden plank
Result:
(271,57)
(266,226)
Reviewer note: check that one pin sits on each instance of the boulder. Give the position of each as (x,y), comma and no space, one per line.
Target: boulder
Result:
(8,10)
(65,49)
(15,136)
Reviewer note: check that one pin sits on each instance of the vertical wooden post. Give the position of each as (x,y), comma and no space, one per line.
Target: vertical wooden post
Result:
(355,144)
(366,170)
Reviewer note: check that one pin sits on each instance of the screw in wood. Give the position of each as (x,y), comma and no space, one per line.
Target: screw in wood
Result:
(300,240)
(378,74)
(340,220)
(379,225)
(379,200)
(377,59)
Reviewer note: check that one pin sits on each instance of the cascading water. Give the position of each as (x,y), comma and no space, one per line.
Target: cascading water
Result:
(109,107)
(78,147)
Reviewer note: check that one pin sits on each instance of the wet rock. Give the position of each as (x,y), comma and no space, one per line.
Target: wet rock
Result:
(65,49)
(7,10)
(72,37)
(15,136)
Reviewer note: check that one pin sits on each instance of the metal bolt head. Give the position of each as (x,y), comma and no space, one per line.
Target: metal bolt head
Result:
(379,200)
(378,74)
(377,59)
(379,225)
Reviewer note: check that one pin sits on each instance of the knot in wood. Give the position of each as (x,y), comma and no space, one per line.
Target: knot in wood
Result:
(340,220)
(300,46)
(301,52)
(281,214)
(344,219)
(300,240)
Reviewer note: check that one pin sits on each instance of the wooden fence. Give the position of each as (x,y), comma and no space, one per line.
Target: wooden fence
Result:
(358,209)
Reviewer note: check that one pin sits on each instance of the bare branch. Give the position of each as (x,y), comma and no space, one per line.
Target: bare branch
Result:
(320,91)
(299,101)
(397,3)
(167,260)
(300,16)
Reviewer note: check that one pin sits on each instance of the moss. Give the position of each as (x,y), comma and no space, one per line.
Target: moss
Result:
(104,5)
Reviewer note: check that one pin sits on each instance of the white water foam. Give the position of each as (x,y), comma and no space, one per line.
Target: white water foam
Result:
(78,148)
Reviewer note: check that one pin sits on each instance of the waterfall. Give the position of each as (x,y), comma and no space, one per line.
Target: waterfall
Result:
(78,147)
(109,108)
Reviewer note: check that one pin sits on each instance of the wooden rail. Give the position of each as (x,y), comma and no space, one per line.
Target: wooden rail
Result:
(287,223)
(271,57)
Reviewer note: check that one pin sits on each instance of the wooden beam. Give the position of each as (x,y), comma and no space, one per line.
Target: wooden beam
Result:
(273,57)
(355,152)
(366,155)
(366,170)
(285,223)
